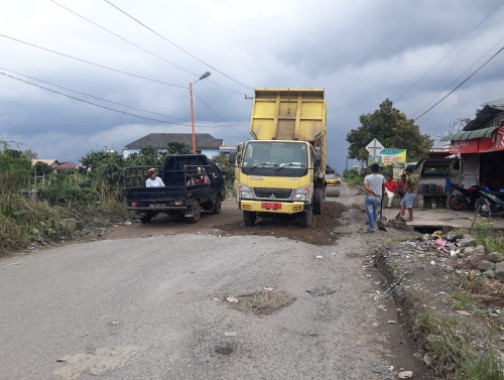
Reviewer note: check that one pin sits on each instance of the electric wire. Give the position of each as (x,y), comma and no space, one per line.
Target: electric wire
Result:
(220,117)
(178,46)
(141,47)
(99,105)
(92,63)
(462,83)
(92,96)
(456,79)
(448,53)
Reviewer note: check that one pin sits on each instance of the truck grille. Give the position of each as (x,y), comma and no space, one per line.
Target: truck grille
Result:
(272,193)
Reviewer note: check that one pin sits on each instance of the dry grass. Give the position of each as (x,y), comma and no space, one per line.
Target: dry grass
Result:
(489,292)
(263,302)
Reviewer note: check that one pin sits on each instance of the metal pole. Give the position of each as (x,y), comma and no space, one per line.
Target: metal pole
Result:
(192,118)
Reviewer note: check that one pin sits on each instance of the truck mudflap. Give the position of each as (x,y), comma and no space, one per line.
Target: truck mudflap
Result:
(273,207)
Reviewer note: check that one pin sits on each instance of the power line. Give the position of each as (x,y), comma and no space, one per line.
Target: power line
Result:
(92,63)
(219,116)
(99,105)
(91,96)
(448,53)
(140,47)
(461,83)
(456,79)
(179,47)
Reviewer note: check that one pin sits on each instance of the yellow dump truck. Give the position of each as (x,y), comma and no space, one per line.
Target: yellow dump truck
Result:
(282,170)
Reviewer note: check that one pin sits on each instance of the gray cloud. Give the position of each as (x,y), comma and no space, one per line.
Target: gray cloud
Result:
(360,51)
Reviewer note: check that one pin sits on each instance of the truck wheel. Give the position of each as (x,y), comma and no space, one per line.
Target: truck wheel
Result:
(196,213)
(249,218)
(217,204)
(146,218)
(317,201)
(305,219)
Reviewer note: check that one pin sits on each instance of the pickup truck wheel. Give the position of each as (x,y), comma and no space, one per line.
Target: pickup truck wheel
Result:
(196,213)
(146,218)
(217,204)
(317,201)
(249,218)
(305,219)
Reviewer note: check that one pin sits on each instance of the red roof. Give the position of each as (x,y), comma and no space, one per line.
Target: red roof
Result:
(65,165)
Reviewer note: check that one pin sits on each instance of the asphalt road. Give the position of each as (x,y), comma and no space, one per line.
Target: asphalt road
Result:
(151,308)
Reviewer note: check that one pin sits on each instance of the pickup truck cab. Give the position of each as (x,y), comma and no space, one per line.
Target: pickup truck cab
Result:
(193,184)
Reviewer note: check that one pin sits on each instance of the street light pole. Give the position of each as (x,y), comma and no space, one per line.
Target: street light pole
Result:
(206,74)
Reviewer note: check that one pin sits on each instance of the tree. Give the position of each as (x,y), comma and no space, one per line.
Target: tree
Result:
(177,147)
(31,154)
(393,129)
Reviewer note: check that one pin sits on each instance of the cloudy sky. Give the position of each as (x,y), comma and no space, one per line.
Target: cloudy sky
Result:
(360,51)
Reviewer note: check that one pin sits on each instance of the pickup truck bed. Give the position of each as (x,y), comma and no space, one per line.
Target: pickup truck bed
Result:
(189,189)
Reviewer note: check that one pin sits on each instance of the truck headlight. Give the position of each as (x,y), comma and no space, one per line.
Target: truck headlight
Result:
(246,192)
(303,194)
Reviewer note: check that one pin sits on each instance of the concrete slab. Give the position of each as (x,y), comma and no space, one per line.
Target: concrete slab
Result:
(445,218)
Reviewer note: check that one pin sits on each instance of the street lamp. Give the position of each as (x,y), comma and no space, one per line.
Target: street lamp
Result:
(206,74)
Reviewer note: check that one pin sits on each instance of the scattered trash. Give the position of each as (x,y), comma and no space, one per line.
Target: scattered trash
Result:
(232,300)
(230,333)
(406,375)
(31,247)
(127,223)
(463,312)
(224,350)
(321,291)
(268,289)
(375,324)
(391,322)
(16,263)
(319,257)
(440,242)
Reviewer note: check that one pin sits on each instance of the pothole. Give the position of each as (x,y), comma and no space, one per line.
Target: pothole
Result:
(262,302)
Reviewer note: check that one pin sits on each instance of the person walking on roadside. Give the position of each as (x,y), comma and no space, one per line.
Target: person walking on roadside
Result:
(390,189)
(410,194)
(374,184)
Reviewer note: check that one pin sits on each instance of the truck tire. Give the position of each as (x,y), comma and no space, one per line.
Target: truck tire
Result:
(196,213)
(249,218)
(216,205)
(318,198)
(146,218)
(305,219)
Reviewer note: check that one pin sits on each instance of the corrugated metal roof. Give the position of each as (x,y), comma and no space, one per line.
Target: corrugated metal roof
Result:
(161,140)
(470,135)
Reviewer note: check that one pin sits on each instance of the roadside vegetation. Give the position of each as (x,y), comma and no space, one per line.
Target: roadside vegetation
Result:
(352,177)
(40,206)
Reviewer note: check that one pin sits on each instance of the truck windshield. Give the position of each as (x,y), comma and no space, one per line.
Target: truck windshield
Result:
(289,159)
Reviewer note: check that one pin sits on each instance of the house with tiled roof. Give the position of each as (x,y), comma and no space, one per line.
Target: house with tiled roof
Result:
(205,143)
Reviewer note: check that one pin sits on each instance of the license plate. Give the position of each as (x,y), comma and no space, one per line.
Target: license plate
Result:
(271,205)
(157,205)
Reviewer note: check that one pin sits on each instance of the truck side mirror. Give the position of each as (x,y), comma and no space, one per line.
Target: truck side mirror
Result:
(232,157)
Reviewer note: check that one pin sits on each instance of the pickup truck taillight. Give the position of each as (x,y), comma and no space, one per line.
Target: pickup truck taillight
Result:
(134,204)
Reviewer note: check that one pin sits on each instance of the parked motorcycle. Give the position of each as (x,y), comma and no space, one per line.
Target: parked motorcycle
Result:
(491,203)
(461,198)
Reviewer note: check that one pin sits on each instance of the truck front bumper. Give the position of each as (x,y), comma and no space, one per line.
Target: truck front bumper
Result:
(273,207)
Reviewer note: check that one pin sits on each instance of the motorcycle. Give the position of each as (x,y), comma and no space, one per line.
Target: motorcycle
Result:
(491,203)
(461,198)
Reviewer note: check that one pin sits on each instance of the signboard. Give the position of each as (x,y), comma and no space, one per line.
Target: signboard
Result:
(480,145)
(391,156)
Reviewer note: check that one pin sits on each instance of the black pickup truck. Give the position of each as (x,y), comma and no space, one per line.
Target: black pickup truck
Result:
(193,183)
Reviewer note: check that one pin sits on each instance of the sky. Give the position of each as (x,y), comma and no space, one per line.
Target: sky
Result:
(360,51)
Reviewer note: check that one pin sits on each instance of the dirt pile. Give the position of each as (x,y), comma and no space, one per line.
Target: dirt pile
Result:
(321,232)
